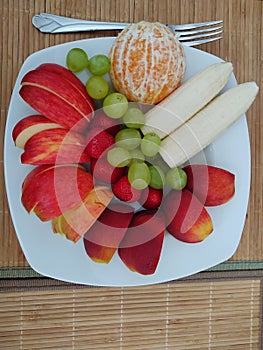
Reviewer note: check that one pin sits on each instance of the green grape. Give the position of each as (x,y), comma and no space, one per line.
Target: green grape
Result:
(77,60)
(134,118)
(157,160)
(115,105)
(128,138)
(118,157)
(139,175)
(97,87)
(99,65)
(176,178)
(150,144)
(157,177)
(137,155)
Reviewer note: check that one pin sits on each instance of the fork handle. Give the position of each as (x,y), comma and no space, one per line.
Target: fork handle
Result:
(48,23)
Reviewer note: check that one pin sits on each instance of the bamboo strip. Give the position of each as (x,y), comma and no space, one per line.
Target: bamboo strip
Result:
(173,324)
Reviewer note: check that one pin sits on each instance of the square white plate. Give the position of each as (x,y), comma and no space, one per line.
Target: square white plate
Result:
(54,256)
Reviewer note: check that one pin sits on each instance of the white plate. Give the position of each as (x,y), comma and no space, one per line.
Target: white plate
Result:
(52,255)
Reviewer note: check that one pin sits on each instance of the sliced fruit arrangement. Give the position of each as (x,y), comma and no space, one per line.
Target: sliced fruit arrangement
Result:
(46,190)
(94,167)
(54,91)
(76,221)
(29,126)
(55,145)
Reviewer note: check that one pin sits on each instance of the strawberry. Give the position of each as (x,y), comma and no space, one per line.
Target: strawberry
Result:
(140,249)
(101,120)
(103,171)
(98,141)
(123,190)
(151,198)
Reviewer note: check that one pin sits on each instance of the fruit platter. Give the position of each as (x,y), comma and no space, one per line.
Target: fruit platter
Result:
(113,180)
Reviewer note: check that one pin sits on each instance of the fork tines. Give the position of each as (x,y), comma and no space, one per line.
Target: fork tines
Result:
(198,33)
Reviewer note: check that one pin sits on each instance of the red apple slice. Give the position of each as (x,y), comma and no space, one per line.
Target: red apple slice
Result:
(55,146)
(186,217)
(58,85)
(141,246)
(57,98)
(53,107)
(211,185)
(70,77)
(103,238)
(29,126)
(50,190)
(75,222)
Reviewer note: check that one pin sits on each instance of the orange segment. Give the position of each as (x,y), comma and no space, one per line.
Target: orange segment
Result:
(147,62)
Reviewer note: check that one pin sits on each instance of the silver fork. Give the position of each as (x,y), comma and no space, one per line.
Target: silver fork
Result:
(189,34)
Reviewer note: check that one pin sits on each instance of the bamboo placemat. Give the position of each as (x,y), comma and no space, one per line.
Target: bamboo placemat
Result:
(203,314)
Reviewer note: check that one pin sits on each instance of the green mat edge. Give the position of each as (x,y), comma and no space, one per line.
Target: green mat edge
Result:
(28,272)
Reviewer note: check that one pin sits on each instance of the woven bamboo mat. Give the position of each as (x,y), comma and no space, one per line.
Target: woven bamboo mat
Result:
(197,314)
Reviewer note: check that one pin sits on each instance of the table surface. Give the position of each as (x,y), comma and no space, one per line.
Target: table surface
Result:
(242,45)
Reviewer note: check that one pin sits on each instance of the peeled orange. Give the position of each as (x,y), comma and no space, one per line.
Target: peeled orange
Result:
(147,62)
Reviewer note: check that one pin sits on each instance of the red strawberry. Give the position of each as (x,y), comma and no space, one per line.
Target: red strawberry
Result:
(123,190)
(103,171)
(151,198)
(98,141)
(102,121)
(141,246)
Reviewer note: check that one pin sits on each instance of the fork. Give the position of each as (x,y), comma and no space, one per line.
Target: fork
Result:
(189,34)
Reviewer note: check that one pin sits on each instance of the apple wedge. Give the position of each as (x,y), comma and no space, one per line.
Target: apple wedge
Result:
(50,190)
(75,222)
(70,77)
(55,146)
(103,238)
(57,99)
(141,246)
(211,185)
(29,126)
(186,217)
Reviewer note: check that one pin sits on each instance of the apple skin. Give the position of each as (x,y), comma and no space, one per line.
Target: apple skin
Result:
(53,108)
(70,77)
(141,246)
(75,222)
(103,238)
(55,146)
(46,191)
(186,217)
(211,185)
(57,98)
(29,126)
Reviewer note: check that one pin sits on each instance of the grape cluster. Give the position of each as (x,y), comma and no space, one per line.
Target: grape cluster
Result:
(77,60)
(132,149)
